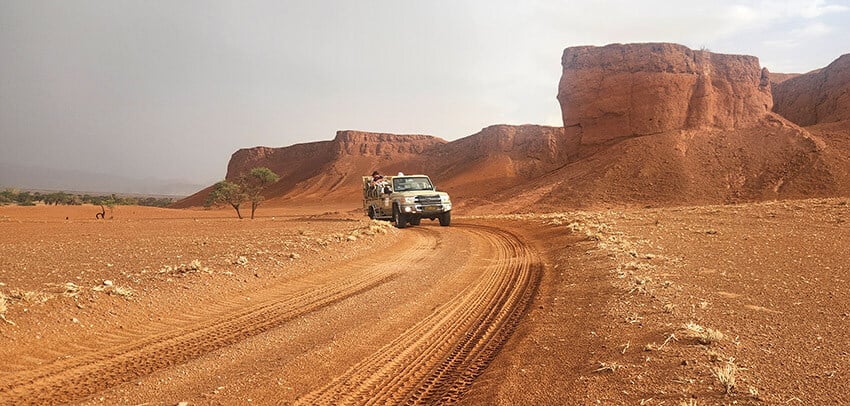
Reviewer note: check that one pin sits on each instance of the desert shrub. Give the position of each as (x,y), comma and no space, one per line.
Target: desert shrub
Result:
(726,375)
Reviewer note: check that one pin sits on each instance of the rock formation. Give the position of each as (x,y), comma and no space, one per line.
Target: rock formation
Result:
(500,156)
(645,124)
(820,96)
(617,91)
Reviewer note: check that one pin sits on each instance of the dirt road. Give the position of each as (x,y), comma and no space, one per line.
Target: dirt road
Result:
(738,304)
(415,321)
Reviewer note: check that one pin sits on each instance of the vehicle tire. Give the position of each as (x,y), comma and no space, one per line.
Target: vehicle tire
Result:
(414,221)
(399,219)
(371,212)
(446,219)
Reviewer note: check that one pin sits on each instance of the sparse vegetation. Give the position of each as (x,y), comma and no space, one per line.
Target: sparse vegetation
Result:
(26,198)
(247,188)
(726,375)
(4,308)
(109,287)
(193,267)
(608,367)
(225,192)
(702,334)
(255,183)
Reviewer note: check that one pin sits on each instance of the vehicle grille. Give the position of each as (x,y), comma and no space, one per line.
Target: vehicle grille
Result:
(428,200)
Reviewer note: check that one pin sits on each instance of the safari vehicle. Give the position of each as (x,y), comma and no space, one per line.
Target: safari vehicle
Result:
(406,199)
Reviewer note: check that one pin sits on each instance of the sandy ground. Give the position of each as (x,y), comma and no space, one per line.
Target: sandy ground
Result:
(743,304)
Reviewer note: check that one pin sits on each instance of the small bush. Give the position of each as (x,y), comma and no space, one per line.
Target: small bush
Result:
(726,375)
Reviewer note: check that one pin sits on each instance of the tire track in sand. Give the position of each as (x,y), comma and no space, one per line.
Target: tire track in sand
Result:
(437,359)
(74,378)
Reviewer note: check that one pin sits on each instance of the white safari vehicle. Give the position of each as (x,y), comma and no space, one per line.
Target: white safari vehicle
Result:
(406,199)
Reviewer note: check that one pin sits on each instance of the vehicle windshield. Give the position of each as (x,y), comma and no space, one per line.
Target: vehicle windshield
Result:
(411,183)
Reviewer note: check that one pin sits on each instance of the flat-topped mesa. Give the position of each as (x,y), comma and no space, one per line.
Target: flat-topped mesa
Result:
(351,142)
(280,160)
(629,90)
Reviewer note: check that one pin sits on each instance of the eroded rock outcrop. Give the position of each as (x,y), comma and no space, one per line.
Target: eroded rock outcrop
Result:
(324,167)
(691,127)
(820,96)
(352,142)
(628,90)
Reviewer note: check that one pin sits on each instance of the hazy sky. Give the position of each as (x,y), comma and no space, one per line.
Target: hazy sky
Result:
(169,89)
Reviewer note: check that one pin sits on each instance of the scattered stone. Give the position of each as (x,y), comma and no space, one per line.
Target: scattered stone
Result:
(107,283)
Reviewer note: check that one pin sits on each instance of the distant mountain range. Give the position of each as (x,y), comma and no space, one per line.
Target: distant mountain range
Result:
(41,178)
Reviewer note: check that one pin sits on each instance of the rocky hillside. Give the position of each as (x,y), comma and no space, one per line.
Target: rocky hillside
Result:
(325,169)
(821,96)
(644,124)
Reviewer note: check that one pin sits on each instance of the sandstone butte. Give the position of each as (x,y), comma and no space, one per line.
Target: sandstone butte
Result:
(616,91)
(644,124)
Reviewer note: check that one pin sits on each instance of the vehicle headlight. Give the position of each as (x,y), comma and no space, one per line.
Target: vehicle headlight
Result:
(445,199)
(410,200)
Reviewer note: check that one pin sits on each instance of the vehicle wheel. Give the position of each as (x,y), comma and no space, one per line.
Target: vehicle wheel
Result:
(446,218)
(399,219)
(414,221)
(372,213)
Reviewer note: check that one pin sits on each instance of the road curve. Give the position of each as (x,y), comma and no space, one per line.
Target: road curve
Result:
(436,359)
(433,361)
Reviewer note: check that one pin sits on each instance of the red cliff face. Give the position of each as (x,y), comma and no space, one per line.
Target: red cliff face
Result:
(821,96)
(628,90)
(360,143)
(280,160)
(645,124)
(347,143)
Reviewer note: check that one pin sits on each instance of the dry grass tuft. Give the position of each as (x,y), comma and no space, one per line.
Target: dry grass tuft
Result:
(702,334)
(608,367)
(193,267)
(69,289)
(112,289)
(726,375)
(30,296)
(3,308)
(376,227)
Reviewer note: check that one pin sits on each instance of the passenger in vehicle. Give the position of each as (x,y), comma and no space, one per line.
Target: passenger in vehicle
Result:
(379,183)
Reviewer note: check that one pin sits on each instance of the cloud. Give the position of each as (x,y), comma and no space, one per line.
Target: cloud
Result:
(814,9)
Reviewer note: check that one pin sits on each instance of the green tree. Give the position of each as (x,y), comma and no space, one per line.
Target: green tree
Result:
(8,196)
(255,183)
(227,192)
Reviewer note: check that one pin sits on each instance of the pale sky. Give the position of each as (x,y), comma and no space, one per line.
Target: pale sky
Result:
(169,89)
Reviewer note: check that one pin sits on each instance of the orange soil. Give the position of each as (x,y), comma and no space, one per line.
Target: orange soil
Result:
(562,308)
